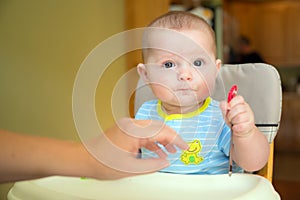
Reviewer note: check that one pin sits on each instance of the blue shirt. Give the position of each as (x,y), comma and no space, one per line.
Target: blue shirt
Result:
(206,132)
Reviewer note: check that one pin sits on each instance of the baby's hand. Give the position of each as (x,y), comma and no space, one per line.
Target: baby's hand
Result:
(238,114)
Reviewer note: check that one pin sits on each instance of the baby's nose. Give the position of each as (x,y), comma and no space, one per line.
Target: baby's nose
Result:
(185,73)
(185,77)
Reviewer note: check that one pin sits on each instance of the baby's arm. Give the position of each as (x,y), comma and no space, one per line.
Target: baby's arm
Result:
(250,148)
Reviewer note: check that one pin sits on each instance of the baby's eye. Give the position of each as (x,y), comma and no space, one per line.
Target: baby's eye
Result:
(169,64)
(197,63)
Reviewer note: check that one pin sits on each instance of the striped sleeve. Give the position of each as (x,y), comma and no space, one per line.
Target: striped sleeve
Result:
(224,141)
(146,110)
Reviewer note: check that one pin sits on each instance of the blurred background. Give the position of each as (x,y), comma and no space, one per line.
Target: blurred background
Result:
(43,43)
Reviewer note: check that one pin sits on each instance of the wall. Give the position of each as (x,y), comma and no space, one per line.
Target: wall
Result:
(272,26)
(42,46)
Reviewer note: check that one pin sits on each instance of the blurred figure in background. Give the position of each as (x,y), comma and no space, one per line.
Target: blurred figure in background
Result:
(246,52)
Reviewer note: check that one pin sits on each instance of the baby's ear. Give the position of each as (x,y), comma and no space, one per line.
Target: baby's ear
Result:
(218,64)
(141,69)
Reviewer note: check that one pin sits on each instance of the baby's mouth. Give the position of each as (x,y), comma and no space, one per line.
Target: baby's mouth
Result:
(186,87)
(185,90)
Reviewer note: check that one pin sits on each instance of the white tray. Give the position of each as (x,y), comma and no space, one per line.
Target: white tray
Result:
(153,186)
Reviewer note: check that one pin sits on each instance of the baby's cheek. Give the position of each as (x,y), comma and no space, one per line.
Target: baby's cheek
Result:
(204,90)
(210,86)
(208,80)
(163,93)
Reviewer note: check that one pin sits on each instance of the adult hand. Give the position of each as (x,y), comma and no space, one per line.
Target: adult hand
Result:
(119,146)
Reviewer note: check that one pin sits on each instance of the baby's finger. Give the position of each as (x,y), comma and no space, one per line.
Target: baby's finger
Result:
(236,111)
(242,129)
(236,100)
(241,118)
(224,107)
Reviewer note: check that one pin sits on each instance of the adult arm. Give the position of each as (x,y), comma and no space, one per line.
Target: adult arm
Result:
(28,157)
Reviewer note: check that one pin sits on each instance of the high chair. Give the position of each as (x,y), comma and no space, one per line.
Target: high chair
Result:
(259,84)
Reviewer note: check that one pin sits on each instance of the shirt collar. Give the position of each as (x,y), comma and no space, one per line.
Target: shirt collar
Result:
(167,117)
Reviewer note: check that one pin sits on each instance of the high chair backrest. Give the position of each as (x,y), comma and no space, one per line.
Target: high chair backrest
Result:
(258,83)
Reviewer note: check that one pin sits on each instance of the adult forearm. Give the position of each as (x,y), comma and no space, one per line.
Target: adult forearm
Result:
(28,157)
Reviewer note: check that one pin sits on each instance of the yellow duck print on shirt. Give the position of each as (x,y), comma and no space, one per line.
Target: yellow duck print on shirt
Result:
(191,156)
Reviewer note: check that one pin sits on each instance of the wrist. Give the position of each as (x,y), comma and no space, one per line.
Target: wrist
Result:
(244,135)
(96,169)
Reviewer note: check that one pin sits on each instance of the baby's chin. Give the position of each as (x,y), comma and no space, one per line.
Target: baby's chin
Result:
(193,105)
(190,101)
(182,99)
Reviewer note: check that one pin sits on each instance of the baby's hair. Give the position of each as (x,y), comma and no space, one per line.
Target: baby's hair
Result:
(181,20)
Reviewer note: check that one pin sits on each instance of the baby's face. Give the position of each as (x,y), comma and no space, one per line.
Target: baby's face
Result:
(180,67)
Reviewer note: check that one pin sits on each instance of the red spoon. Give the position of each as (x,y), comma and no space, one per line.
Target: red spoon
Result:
(231,94)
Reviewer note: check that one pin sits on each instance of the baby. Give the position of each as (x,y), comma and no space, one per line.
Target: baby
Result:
(180,66)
